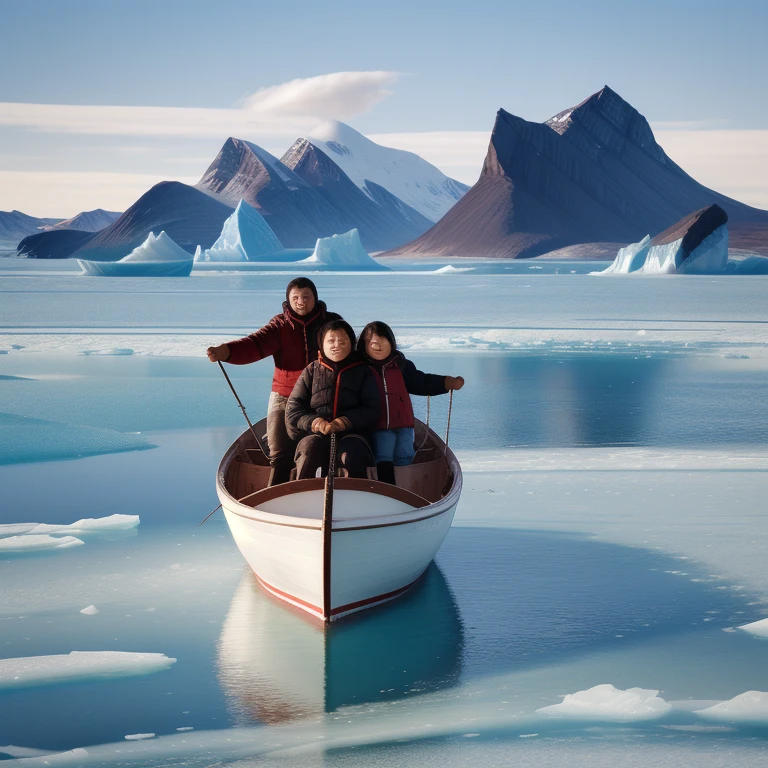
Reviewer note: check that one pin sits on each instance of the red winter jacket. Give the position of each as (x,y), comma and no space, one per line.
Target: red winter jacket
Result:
(397,377)
(289,338)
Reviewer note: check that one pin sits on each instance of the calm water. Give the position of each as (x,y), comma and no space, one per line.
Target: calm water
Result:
(550,582)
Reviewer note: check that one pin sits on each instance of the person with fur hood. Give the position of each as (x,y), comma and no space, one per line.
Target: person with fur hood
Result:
(335,394)
(397,378)
(290,338)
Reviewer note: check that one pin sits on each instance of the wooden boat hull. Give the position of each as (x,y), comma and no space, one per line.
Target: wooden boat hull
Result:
(382,538)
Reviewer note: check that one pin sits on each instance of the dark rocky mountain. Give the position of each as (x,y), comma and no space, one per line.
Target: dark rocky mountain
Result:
(382,222)
(56,244)
(15,226)
(296,212)
(693,229)
(187,215)
(591,174)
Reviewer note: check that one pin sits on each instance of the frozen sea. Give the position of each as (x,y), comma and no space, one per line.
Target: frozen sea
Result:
(612,530)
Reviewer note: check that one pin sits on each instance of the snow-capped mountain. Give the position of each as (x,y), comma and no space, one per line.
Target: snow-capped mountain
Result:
(87,221)
(296,212)
(383,221)
(407,176)
(593,173)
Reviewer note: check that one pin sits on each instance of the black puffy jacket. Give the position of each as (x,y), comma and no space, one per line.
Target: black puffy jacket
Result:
(330,390)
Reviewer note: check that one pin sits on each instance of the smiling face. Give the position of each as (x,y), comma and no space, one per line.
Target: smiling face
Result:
(302,300)
(336,345)
(377,347)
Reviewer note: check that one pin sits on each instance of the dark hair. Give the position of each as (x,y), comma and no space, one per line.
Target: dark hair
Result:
(380,329)
(336,325)
(301,282)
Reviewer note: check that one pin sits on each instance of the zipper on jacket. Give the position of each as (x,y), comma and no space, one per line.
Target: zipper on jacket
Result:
(386,395)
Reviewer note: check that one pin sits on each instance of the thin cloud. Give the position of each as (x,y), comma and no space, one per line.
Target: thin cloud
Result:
(290,108)
(340,95)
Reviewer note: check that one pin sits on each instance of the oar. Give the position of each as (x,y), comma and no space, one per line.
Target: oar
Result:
(327,530)
(242,408)
(238,500)
(253,432)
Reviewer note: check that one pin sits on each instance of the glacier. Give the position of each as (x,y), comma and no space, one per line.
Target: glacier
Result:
(343,252)
(157,256)
(245,236)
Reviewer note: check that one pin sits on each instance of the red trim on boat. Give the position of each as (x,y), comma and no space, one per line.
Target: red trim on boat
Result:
(280,593)
(341,608)
(370,600)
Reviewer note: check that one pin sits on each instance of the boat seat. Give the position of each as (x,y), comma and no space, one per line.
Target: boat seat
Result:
(427,479)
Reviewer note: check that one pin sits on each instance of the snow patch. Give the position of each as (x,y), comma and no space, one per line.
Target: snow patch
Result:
(604,702)
(29,671)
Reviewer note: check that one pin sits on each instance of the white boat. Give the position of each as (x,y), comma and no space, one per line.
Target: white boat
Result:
(378,542)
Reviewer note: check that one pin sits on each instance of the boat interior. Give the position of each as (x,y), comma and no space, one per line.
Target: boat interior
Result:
(420,484)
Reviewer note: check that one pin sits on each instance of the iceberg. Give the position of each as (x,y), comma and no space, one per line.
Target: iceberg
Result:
(695,245)
(245,236)
(29,671)
(604,702)
(343,252)
(629,259)
(155,257)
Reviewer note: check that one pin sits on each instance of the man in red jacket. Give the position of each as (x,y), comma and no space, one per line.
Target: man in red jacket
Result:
(291,339)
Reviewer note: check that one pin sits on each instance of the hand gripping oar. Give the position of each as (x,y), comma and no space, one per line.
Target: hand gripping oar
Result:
(327,530)
(253,432)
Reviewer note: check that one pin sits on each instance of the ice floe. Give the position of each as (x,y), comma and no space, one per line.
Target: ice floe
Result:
(604,702)
(757,628)
(37,543)
(29,671)
(749,708)
(450,269)
(90,525)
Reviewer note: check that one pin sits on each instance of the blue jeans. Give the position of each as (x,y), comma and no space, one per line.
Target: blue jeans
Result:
(395,445)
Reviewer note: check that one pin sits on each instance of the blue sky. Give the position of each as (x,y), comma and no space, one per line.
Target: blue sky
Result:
(440,68)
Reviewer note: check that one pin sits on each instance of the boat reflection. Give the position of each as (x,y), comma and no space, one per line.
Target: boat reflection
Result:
(275,666)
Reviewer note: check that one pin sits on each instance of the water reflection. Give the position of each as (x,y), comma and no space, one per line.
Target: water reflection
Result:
(275,666)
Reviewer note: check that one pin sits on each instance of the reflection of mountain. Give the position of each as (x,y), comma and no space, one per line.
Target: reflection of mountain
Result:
(588,400)
(275,666)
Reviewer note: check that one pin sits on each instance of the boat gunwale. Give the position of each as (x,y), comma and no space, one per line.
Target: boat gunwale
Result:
(254,514)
